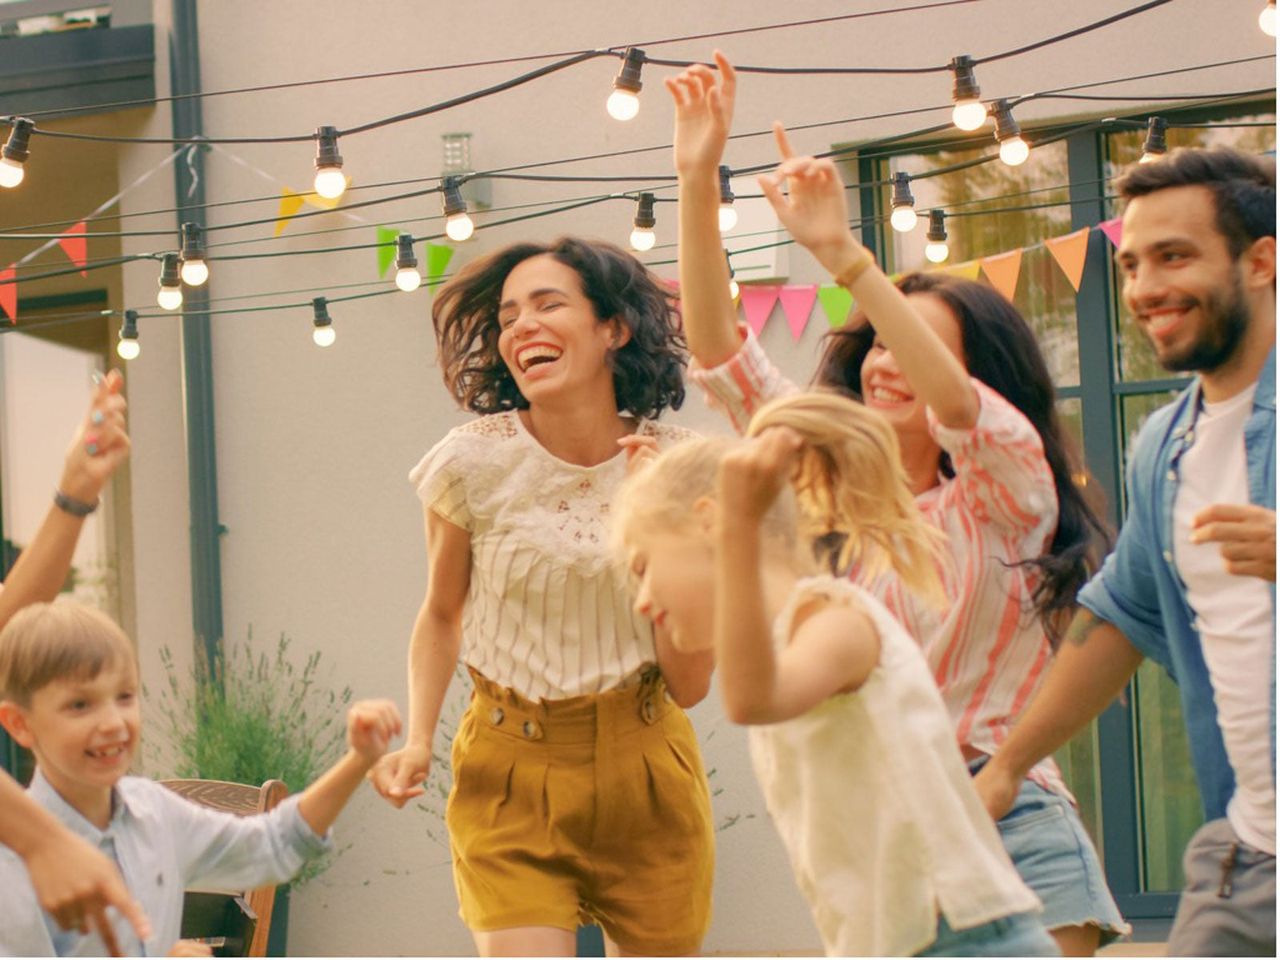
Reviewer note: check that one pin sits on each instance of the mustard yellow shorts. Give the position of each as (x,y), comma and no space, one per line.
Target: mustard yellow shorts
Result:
(593,809)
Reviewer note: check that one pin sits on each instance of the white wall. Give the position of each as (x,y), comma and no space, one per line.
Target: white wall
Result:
(323,531)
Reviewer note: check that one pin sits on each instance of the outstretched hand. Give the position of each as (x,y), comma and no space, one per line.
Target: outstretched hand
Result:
(809,198)
(100,444)
(751,476)
(399,775)
(371,725)
(704,113)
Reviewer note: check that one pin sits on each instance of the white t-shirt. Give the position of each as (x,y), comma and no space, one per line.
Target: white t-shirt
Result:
(1233,615)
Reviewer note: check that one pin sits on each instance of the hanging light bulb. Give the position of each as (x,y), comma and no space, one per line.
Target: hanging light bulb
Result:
(642,237)
(903,217)
(408,278)
(13,156)
(456,223)
(969,113)
(323,334)
(624,102)
(734,289)
(329,183)
(1155,146)
(194,269)
(170,295)
(936,250)
(728,215)
(1267,18)
(128,348)
(1013,149)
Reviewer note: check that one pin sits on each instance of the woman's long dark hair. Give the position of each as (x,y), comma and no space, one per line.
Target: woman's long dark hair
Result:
(1000,350)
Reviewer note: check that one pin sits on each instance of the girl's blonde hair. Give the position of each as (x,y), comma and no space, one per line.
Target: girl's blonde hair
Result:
(849,482)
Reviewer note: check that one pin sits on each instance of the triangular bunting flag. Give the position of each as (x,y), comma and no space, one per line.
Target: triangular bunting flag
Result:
(1113,229)
(290,203)
(438,257)
(757,304)
(386,248)
(9,293)
(1002,270)
(797,304)
(1069,251)
(76,247)
(836,303)
(968,270)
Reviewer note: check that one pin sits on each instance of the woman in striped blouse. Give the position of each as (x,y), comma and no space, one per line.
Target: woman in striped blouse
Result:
(982,446)
(578,787)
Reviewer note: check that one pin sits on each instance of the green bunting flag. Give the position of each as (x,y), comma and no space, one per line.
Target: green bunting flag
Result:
(386,249)
(438,257)
(836,302)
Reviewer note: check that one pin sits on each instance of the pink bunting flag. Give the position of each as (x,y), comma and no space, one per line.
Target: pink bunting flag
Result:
(76,247)
(797,304)
(1002,270)
(757,304)
(1113,229)
(1070,252)
(9,293)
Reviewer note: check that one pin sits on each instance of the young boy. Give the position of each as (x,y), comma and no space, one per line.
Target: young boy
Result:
(69,693)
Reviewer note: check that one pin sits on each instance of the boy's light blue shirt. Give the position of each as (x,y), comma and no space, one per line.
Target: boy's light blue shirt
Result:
(1139,590)
(162,845)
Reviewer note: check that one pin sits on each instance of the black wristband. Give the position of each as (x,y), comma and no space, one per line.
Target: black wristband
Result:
(77,508)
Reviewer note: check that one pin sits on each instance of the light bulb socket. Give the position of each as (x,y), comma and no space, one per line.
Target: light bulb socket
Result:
(405,257)
(1155,144)
(169,271)
(902,191)
(726,189)
(451,191)
(192,241)
(19,139)
(628,77)
(327,148)
(937,227)
(965,86)
(1006,127)
(320,306)
(129,329)
(645,217)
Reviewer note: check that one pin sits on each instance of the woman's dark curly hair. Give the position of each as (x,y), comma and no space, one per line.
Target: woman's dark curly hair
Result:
(1000,350)
(648,370)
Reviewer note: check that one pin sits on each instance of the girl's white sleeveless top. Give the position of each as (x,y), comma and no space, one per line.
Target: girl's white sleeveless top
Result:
(875,805)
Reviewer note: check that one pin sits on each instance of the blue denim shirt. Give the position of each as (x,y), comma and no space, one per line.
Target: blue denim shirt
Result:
(1139,590)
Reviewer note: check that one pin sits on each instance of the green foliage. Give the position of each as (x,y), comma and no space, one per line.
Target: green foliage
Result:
(267,719)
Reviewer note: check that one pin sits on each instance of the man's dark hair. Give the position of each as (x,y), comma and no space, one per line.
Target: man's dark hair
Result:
(1243,188)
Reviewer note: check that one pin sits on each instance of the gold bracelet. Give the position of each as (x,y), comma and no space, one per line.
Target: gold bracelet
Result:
(850,274)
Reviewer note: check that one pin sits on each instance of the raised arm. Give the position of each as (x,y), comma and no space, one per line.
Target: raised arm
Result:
(704,113)
(433,655)
(815,212)
(99,446)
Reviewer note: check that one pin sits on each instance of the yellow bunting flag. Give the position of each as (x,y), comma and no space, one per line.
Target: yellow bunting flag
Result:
(968,270)
(1070,251)
(290,203)
(1002,270)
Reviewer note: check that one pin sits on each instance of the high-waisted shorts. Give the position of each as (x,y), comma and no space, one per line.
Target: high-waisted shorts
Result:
(590,809)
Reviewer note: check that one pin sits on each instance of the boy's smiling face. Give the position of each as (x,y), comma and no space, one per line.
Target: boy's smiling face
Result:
(84,734)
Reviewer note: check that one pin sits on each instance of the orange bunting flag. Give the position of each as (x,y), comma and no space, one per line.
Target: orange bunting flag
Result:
(9,293)
(1002,271)
(76,247)
(1070,251)
(757,304)
(968,270)
(290,203)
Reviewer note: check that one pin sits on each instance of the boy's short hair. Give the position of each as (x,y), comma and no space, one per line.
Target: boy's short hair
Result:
(57,641)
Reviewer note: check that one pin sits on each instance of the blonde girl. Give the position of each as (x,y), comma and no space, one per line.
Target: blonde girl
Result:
(849,737)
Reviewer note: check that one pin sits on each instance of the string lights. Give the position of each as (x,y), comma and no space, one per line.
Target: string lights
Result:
(1013,149)
(1267,18)
(968,113)
(936,250)
(195,271)
(408,278)
(128,347)
(728,215)
(457,224)
(642,236)
(330,182)
(903,216)
(13,156)
(624,102)
(322,333)
(170,295)
(1155,146)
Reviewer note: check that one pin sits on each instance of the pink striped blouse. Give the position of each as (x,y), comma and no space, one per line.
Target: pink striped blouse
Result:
(987,648)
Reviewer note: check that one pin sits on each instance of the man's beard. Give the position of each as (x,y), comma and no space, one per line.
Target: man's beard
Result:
(1226,319)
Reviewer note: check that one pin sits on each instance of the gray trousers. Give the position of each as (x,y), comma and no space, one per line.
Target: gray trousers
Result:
(1228,907)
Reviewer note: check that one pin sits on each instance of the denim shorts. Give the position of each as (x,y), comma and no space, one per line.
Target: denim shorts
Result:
(1021,935)
(1048,845)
